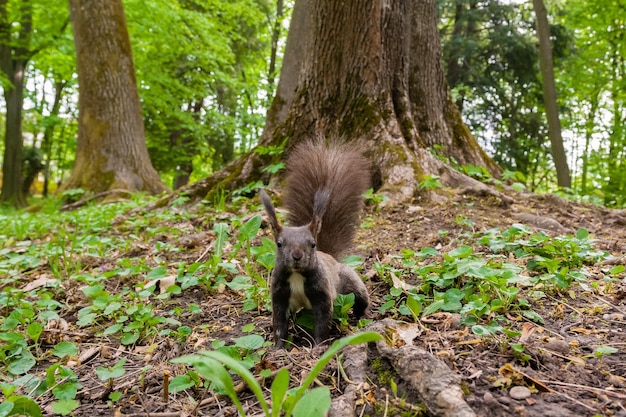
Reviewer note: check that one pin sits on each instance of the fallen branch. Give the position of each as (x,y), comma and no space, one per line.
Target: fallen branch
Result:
(438,387)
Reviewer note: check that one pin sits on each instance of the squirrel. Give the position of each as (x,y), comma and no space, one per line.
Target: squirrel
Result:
(323,196)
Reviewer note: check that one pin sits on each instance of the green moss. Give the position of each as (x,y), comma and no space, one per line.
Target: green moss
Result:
(385,375)
(363,115)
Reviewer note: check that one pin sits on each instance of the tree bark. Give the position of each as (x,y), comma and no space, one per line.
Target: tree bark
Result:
(549,95)
(48,133)
(13,60)
(111,151)
(368,72)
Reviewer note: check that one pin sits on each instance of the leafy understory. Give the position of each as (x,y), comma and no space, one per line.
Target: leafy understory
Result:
(91,298)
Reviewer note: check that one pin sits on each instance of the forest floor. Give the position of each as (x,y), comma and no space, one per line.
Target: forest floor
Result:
(552,341)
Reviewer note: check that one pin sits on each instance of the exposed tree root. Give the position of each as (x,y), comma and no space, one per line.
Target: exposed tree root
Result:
(110,195)
(355,365)
(438,387)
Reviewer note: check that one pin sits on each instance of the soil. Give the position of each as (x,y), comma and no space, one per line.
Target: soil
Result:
(562,375)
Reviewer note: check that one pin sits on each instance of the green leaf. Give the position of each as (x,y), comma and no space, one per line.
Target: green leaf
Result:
(113,372)
(582,233)
(353,261)
(34,331)
(181,383)
(314,403)
(240,282)
(354,339)
(86,319)
(280,385)
(157,273)
(129,338)
(24,406)
(66,390)
(63,349)
(532,315)
(433,307)
(208,366)
(249,342)
(604,350)
(482,330)
(414,306)
(425,252)
(113,329)
(250,228)
(64,407)
(461,252)
(221,234)
(115,396)
(21,365)
(248,328)
(5,408)
(112,307)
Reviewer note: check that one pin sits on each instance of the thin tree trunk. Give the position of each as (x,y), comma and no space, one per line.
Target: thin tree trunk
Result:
(276,29)
(48,134)
(593,103)
(549,95)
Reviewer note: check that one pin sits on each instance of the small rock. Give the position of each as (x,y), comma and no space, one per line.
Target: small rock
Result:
(613,316)
(414,209)
(519,393)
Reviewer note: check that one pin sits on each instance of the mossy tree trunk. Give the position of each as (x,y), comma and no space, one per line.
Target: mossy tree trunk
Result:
(111,152)
(368,72)
(14,55)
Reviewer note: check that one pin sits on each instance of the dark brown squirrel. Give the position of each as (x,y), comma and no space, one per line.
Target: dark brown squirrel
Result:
(323,196)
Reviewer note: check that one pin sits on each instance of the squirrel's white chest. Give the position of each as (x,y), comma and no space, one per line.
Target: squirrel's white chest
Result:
(298,299)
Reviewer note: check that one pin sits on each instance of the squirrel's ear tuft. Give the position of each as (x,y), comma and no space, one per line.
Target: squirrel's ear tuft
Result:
(315,226)
(271,213)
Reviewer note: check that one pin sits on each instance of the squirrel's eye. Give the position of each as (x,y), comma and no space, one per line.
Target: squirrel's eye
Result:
(313,245)
(279,243)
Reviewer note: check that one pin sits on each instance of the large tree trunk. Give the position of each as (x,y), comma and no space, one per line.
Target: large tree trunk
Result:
(368,72)
(13,59)
(111,153)
(549,95)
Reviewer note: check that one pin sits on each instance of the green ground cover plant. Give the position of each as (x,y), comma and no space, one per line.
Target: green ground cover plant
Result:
(118,269)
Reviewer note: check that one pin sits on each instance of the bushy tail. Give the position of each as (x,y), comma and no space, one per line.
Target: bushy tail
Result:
(337,173)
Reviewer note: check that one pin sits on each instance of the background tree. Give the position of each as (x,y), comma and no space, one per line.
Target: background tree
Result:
(490,54)
(15,51)
(204,105)
(369,73)
(111,152)
(550,96)
(51,114)
(26,28)
(594,80)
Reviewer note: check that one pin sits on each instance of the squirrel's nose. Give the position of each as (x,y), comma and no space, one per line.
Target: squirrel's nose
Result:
(297,255)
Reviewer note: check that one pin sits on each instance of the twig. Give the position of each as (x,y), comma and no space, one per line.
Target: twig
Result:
(204,253)
(582,404)
(66,332)
(585,387)
(609,304)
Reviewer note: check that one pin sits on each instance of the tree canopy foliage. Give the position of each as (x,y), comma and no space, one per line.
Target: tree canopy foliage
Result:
(491,56)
